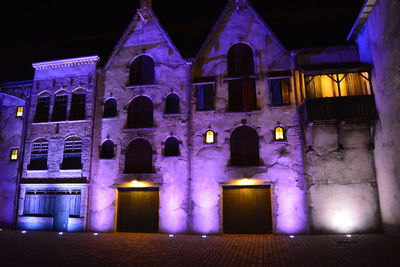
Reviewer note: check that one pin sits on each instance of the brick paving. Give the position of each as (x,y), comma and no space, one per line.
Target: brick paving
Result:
(128,249)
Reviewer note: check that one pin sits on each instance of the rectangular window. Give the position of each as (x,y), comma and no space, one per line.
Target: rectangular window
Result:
(39,156)
(42,109)
(242,95)
(14,154)
(60,108)
(205,96)
(49,202)
(280,89)
(72,159)
(20,111)
(78,104)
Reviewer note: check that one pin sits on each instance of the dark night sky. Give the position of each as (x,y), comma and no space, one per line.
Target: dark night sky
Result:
(40,30)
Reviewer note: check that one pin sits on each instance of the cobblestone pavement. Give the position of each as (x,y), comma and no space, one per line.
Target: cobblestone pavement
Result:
(128,249)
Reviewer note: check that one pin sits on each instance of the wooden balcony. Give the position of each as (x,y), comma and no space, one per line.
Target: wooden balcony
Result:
(335,109)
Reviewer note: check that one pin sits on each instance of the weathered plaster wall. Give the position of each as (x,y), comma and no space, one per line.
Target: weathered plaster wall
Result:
(171,173)
(381,34)
(281,163)
(11,129)
(341,183)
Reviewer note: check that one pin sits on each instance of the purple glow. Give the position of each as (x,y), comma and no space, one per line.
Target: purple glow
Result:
(172,217)
(292,216)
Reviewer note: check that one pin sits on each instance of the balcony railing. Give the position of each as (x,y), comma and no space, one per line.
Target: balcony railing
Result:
(333,109)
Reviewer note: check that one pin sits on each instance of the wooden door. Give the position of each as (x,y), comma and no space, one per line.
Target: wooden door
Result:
(247,210)
(138,210)
(61,213)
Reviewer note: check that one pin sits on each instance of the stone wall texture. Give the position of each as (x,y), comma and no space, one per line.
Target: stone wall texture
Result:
(380,41)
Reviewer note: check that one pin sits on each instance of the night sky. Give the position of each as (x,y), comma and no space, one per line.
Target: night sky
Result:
(41,30)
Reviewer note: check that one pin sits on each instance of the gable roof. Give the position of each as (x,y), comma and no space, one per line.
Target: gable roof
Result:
(229,6)
(144,13)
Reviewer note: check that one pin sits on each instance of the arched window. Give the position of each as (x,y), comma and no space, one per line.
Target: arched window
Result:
(242,91)
(110,108)
(78,106)
(42,108)
(244,147)
(107,150)
(279,134)
(39,154)
(72,158)
(172,104)
(240,60)
(139,157)
(142,71)
(140,113)
(60,107)
(171,147)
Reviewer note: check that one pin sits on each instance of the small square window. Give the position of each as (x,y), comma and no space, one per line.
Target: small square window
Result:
(20,111)
(14,154)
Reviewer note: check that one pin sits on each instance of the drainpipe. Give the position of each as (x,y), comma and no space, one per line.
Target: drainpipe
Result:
(89,178)
(190,144)
(22,154)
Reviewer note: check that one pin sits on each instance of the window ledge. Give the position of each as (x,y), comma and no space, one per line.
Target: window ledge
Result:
(279,142)
(55,122)
(110,118)
(242,112)
(107,159)
(205,110)
(71,170)
(280,106)
(172,115)
(142,86)
(139,129)
(37,171)
(245,167)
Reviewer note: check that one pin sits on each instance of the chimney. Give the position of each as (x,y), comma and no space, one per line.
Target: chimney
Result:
(145,3)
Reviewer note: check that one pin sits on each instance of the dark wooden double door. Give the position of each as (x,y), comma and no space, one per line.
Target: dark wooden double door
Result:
(247,210)
(138,210)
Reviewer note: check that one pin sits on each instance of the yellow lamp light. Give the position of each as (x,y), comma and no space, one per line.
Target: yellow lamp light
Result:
(279,133)
(210,137)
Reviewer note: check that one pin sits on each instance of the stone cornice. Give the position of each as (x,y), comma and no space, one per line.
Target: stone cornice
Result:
(65,62)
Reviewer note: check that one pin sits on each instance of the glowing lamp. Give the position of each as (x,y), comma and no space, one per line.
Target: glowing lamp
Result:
(14,154)
(23,232)
(60,233)
(135,183)
(95,234)
(20,111)
(279,134)
(210,137)
(1,230)
(203,236)
(246,181)
(291,236)
(170,235)
(348,236)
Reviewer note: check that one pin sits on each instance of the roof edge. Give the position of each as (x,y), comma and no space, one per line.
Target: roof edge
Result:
(366,10)
(65,62)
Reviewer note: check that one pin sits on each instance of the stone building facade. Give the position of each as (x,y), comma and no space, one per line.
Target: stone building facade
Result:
(247,137)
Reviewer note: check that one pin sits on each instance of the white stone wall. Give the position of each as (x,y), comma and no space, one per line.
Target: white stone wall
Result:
(341,181)
(380,42)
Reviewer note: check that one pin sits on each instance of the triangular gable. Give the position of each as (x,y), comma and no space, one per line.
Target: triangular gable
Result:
(142,17)
(233,4)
